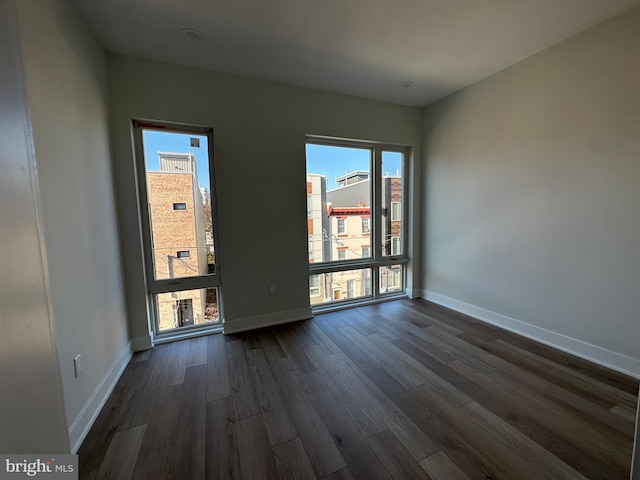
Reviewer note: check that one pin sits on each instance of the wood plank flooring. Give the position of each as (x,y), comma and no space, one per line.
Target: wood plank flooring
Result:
(400,390)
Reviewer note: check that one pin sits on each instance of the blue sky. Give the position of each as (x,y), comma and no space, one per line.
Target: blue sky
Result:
(335,161)
(155,141)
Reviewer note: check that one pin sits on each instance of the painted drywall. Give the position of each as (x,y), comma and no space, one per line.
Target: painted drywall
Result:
(32,417)
(67,95)
(532,199)
(259,136)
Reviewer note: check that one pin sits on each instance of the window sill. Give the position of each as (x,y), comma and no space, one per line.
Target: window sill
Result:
(343,304)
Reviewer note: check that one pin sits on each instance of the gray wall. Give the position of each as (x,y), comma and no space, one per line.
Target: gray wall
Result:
(67,95)
(259,135)
(532,200)
(635,467)
(32,417)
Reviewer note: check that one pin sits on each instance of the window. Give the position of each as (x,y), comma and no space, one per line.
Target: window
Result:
(396,211)
(349,285)
(180,253)
(395,280)
(187,308)
(351,288)
(314,286)
(396,248)
(392,202)
(391,279)
(367,286)
(309,206)
(343,176)
(184,312)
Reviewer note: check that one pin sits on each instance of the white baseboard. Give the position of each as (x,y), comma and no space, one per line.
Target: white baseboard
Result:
(259,321)
(84,421)
(140,344)
(593,353)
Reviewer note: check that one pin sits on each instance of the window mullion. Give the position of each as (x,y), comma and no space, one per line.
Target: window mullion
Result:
(376,204)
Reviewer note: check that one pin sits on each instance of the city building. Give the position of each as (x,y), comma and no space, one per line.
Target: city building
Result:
(339,228)
(177,211)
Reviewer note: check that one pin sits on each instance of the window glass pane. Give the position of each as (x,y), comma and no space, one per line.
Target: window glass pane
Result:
(314,286)
(336,286)
(339,188)
(396,246)
(391,279)
(366,226)
(392,203)
(396,212)
(179,196)
(186,308)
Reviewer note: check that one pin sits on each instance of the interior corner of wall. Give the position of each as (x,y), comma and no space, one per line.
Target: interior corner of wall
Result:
(144,342)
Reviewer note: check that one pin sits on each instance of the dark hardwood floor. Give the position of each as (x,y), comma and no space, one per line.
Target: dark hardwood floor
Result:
(401,390)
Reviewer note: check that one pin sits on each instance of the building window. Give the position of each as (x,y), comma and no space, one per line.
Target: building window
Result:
(342,254)
(341,226)
(365,225)
(351,288)
(184,313)
(183,254)
(396,248)
(367,286)
(314,286)
(395,278)
(179,206)
(309,206)
(396,211)
(366,252)
(391,279)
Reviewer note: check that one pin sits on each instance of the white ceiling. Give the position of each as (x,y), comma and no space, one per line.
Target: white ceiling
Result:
(366,48)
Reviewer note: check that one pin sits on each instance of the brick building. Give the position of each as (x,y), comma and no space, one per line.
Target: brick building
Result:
(176,205)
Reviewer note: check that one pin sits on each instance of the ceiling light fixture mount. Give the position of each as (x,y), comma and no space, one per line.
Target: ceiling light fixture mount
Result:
(406,84)
(191,34)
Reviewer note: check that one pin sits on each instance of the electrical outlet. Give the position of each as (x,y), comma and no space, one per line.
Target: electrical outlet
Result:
(77,367)
(272,288)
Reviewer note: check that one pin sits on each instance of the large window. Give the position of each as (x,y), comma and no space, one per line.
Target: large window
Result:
(178,224)
(356,198)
